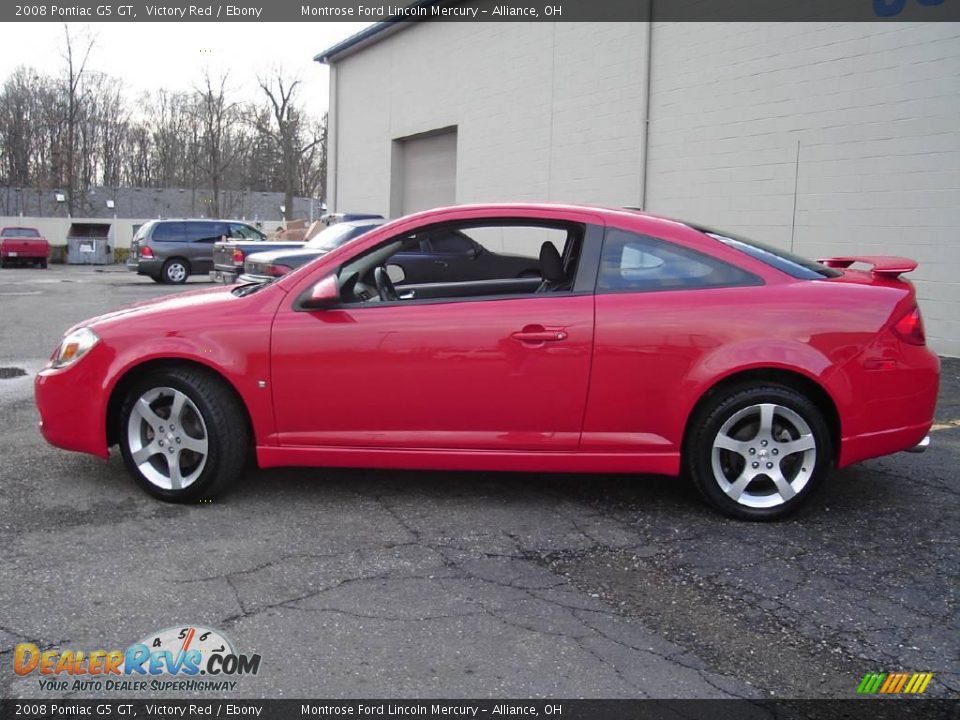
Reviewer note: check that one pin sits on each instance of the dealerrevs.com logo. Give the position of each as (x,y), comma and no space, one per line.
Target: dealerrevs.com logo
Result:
(186,658)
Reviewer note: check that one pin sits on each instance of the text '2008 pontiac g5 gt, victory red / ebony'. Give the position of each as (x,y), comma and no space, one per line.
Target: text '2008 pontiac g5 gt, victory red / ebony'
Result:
(644,345)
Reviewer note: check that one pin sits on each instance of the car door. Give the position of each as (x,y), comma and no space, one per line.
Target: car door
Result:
(476,373)
(200,237)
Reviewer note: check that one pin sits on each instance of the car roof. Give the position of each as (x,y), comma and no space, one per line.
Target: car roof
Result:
(603,210)
(205,220)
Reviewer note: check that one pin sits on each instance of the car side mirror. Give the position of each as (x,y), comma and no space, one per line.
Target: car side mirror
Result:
(323,294)
(396,274)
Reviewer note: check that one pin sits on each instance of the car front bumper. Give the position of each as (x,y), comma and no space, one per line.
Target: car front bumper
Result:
(71,415)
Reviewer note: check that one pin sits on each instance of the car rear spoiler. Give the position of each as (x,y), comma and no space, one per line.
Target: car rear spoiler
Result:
(888,266)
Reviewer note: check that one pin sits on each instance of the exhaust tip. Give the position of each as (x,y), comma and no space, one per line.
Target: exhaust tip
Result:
(920,446)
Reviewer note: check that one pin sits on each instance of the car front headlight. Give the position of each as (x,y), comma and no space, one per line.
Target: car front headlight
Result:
(73,347)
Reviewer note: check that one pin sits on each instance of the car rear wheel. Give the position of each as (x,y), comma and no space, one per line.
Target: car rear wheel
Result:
(757,452)
(182,435)
(175,272)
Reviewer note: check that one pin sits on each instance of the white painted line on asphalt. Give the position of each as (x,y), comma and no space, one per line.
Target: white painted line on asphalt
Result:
(25,292)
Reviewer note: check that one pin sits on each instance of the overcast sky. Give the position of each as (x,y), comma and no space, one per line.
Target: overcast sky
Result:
(172,55)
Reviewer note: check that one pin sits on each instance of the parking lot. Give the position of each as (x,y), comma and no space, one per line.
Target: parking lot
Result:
(355,583)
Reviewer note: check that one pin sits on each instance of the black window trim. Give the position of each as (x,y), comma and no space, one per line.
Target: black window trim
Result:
(585,277)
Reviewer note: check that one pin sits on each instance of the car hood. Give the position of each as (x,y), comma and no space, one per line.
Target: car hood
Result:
(194,301)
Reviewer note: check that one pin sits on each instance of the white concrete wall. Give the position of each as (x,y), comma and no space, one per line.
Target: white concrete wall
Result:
(556,112)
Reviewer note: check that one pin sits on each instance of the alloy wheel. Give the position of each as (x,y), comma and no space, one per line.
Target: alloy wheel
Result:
(167,438)
(763,455)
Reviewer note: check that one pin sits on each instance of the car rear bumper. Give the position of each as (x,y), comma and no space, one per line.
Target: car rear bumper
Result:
(224,276)
(23,255)
(145,266)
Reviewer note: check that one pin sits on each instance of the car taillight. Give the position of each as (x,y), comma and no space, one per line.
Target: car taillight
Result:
(146,252)
(276,270)
(238,257)
(910,328)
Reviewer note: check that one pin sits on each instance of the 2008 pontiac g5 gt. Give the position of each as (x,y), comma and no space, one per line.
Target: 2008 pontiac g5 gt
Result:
(644,345)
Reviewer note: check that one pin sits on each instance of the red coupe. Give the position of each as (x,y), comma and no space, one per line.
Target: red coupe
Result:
(645,345)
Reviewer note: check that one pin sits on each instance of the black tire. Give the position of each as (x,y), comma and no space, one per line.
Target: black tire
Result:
(222,426)
(740,414)
(175,271)
(43,264)
(3,263)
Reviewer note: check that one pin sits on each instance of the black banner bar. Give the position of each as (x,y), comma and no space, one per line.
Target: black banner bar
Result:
(866,709)
(484,11)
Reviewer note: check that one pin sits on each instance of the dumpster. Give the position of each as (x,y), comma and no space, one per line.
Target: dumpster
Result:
(90,243)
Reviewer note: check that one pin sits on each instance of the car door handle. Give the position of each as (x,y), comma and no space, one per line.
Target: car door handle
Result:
(442,263)
(539,334)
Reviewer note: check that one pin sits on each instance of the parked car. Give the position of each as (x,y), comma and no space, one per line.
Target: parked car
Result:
(23,246)
(169,251)
(648,346)
(262,266)
(229,256)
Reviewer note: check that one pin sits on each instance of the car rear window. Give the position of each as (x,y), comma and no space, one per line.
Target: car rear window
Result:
(19,233)
(794,265)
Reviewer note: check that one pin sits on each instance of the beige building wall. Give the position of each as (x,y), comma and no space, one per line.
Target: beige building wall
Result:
(558,112)
(55,229)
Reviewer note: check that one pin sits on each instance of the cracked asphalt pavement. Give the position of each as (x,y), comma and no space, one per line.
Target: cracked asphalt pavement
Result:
(363,583)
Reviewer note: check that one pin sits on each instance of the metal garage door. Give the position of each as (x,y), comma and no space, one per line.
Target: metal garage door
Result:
(425,172)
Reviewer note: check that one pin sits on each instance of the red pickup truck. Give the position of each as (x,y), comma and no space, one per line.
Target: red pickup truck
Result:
(20,245)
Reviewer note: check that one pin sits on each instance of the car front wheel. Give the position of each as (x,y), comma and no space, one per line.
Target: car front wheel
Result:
(757,452)
(182,436)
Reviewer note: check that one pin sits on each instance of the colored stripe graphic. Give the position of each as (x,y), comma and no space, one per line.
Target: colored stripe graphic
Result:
(894,683)
(871,683)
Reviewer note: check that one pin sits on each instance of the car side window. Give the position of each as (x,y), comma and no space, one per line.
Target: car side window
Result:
(240,231)
(509,264)
(450,243)
(168,232)
(634,262)
(205,232)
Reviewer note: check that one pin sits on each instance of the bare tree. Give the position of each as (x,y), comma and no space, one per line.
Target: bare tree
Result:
(313,160)
(74,72)
(78,130)
(218,119)
(281,93)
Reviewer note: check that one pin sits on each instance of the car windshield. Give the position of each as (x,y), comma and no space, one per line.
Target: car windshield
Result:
(333,237)
(787,262)
(19,232)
